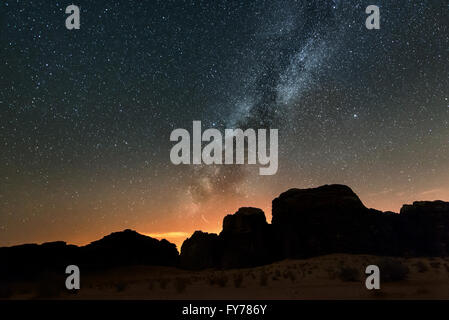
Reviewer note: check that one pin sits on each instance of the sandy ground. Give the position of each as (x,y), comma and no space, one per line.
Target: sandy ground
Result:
(337,276)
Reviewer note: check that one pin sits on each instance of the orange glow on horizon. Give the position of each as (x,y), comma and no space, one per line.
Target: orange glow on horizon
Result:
(187,217)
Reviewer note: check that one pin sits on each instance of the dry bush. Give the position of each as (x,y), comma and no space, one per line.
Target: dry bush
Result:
(392,270)
(263,280)
(378,294)
(421,267)
(181,284)
(238,280)
(289,275)
(163,282)
(421,291)
(435,265)
(447,267)
(331,273)
(222,280)
(6,291)
(348,274)
(120,286)
(50,286)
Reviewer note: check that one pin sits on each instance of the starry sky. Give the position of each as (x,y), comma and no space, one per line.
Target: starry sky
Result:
(86,115)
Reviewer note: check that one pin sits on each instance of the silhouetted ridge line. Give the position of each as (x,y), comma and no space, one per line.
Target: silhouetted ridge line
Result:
(305,223)
(117,249)
(317,221)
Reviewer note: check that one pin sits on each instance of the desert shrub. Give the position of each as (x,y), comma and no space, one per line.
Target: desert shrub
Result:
(289,275)
(195,278)
(447,267)
(47,290)
(120,286)
(163,282)
(331,273)
(238,280)
(222,280)
(378,294)
(27,290)
(421,267)
(435,265)
(263,280)
(181,284)
(348,274)
(421,291)
(50,286)
(392,270)
(5,291)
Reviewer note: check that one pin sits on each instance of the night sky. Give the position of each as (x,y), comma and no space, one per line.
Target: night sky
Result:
(86,115)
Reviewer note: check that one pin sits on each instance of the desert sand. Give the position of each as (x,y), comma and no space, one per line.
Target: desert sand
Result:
(336,276)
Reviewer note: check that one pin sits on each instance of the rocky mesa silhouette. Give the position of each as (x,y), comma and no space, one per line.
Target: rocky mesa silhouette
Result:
(305,223)
(317,221)
(125,248)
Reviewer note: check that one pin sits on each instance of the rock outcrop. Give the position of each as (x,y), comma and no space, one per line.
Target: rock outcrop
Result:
(129,248)
(426,228)
(305,223)
(319,221)
(201,251)
(324,220)
(247,239)
(26,262)
(331,219)
(244,242)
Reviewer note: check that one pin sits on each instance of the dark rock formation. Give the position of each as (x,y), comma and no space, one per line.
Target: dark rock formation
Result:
(318,221)
(201,251)
(426,228)
(129,248)
(244,220)
(27,262)
(294,203)
(305,223)
(246,240)
(324,220)
(330,219)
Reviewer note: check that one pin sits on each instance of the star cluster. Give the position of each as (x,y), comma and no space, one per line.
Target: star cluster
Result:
(86,114)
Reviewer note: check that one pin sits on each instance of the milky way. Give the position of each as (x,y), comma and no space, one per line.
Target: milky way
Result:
(86,114)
